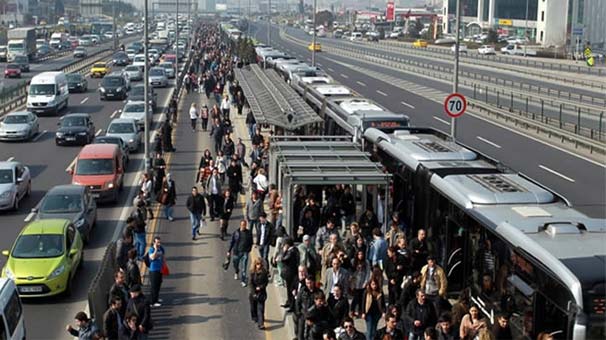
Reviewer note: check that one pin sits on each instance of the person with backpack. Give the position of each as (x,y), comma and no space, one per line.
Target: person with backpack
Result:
(156,263)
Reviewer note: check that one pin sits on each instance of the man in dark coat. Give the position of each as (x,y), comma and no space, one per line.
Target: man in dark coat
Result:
(290,263)
(112,319)
(419,315)
(197,209)
(319,318)
(139,305)
(119,289)
(338,305)
(391,321)
(217,131)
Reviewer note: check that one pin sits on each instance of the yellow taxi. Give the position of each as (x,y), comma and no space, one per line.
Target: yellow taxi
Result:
(419,43)
(99,70)
(317,47)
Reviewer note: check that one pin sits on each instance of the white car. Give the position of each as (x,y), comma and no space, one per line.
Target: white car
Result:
(462,48)
(136,111)
(169,68)
(131,53)
(19,126)
(155,53)
(487,50)
(15,184)
(127,130)
(157,77)
(134,72)
(139,60)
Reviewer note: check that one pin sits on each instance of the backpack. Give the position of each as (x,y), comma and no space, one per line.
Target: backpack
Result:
(146,259)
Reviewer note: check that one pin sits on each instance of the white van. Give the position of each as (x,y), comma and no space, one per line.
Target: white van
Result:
(12,325)
(48,92)
(356,36)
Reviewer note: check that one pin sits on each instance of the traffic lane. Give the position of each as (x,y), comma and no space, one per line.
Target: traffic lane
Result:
(110,220)
(466,65)
(586,192)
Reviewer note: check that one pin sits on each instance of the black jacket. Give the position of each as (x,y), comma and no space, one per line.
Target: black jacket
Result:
(392,271)
(259,280)
(171,191)
(425,313)
(111,323)
(290,263)
(122,249)
(140,307)
(396,334)
(122,293)
(241,242)
(226,207)
(304,300)
(356,336)
(217,131)
(196,204)
(269,230)
(133,275)
(322,320)
(338,308)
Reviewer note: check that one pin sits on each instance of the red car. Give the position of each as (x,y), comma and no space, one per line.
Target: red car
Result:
(12,71)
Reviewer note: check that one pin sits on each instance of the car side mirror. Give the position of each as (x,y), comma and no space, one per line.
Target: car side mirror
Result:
(70,171)
(73,252)
(19,180)
(5,253)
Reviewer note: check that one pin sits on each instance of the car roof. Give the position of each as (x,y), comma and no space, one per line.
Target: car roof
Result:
(8,165)
(50,226)
(85,115)
(18,113)
(97,151)
(66,189)
(123,120)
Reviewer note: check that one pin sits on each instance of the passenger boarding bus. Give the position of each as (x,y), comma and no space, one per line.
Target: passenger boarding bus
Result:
(519,247)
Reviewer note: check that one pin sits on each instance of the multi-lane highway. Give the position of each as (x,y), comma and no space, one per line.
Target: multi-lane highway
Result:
(48,164)
(579,179)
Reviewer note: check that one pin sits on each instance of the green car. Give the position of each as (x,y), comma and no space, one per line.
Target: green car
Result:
(44,258)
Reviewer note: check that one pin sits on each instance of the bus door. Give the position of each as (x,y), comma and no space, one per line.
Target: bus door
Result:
(458,258)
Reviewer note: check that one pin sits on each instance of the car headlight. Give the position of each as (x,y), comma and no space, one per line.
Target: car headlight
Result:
(109,185)
(6,194)
(119,89)
(59,134)
(82,133)
(79,223)
(57,271)
(101,89)
(8,273)
(131,140)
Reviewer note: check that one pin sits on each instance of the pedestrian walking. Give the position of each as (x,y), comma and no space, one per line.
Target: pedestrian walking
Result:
(213,189)
(204,117)
(87,330)
(234,176)
(227,203)
(239,249)
(290,263)
(251,123)
(139,305)
(217,131)
(168,197)
(197,209)
(130,330)
(193,116)
(119,289)
(225,106)
(374,307)
(112,319)
(156,264)
(253,209)
(264,236)
(259,278)
(159,172)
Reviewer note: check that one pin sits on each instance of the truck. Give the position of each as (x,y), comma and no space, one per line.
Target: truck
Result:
(57,38)
(516,49)
(21,41)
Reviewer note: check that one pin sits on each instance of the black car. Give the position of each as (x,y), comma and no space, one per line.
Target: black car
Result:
(75,128)
(137,94)
(113,87)
(115,140)
(76,82)
(137,45)
(120,59)
(23,62)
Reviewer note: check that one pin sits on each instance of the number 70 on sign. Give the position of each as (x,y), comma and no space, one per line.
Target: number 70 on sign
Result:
(455,105)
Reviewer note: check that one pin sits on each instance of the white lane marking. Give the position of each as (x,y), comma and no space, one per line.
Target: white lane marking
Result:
(10,159)
(360,83)
(319,64)
(331,70)
(344,76)
(29,217)
(113,114)
(409,105)
(84,100)
(488,142)
(39,135)
(556,173)
(441,120)
(98,132)
(382,93)
(71,165)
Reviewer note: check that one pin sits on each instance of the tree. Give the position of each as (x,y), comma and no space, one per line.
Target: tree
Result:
(493,37)
(324,17)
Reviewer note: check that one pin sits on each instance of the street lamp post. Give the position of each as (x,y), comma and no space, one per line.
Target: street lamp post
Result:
(177,47)
(455,77)
(114,26)
(269,22)
(314,35)
(526,30)
(146,87)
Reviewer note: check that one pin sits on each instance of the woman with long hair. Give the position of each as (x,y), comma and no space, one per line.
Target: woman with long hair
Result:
(258,292)
(471,324)
(360,278)
(374,307)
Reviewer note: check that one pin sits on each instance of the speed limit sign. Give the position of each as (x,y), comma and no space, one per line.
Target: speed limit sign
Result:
(455,105)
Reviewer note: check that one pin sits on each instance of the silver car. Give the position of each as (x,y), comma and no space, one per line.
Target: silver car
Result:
(127,130)
(15,184)
(19,126)
(157,77)
(136,111)
(134,73)
(169,68)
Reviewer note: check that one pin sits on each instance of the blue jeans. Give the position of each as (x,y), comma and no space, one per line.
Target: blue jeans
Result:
(195,223)
(254,225)
(264,250)
(371,325)
(251,129)
(240,263)
(168,211)
(140,244)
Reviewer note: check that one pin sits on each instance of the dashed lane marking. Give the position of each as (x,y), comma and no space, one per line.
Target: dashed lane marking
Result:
(39,135)
(84,100)
(557,173)
(488,142)
(360,83)
(409,105)
(382,93)
(441,120)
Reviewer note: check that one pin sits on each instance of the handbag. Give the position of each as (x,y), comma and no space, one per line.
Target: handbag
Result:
(163,198)
(226,262)
(164,270)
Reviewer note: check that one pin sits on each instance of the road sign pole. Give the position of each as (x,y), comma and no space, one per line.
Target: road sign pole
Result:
(455,78)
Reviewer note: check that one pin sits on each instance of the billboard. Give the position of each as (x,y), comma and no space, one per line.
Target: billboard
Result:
(391,11)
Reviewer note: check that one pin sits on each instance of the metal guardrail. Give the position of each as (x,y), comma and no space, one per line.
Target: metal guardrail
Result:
(546,127)
(98,293)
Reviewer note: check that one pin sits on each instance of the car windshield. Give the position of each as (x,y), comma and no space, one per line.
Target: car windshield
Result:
(121,128)
(73,121)
(42,89)
(73,77)
(12,66)
(132,69)
(6,176)
(97,166)
(167,65)
(38,246)
(156,72)
(99,65)
(137,90)
(60,204)
(80,49)
(112,81)
(134,108)
(120,55)
(15,119)
(21,59)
